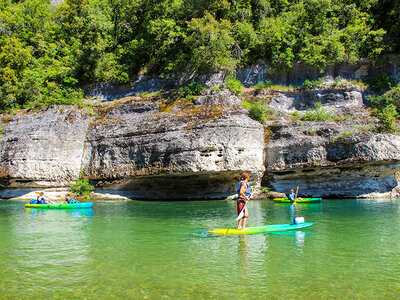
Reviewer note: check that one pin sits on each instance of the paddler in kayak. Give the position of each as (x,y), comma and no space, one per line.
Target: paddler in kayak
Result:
(243,191)
(42,199)
(70,198)
(293,196)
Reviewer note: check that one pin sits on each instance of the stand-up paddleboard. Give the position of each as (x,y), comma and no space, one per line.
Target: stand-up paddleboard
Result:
(261,229)
(302,200)
(61,205)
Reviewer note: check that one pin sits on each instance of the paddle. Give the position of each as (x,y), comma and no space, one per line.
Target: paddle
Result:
(295,196)
(241,214)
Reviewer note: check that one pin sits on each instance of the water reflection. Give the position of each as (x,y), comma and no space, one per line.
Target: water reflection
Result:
(243,248)
(76,213)
(50,246)
(132,250)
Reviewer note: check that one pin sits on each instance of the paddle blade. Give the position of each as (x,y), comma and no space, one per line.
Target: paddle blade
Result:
(240,215)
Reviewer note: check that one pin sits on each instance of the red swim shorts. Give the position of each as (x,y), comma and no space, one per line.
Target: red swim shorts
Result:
(240,203)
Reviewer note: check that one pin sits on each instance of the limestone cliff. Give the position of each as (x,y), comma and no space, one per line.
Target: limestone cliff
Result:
(147,147)
(137,147)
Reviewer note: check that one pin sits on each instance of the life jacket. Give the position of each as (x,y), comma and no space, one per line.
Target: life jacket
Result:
(40,200)
(247,192)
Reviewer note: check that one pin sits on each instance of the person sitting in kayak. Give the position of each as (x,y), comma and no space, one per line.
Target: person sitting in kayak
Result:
(42,199)
(70,198)
(292,196)
(244,196)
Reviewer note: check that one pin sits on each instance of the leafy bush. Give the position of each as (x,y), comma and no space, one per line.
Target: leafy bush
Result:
(386,108)
(345,134)
(320,114)
(265,190)
(192,90)
(234,85)
(262,84)
(336,82)
(387,116)
(307,85)
(258,110)
(393,97)
(296,116)
(381,82)
(215,89)
(82,187)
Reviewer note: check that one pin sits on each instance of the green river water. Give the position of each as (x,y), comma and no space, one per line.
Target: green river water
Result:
(161,250)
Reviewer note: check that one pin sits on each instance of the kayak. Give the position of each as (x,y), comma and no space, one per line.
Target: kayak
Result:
(302,200)
(61,205)
(261,229)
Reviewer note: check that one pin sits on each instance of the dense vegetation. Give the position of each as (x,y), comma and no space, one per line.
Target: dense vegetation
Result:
(48,53)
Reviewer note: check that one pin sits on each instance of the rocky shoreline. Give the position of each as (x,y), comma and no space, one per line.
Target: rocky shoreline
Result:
(147,147)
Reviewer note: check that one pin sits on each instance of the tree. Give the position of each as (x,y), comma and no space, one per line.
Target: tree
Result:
(210,43)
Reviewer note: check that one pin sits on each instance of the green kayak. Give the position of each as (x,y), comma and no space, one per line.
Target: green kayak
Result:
(61,205)
(261,229)
(302,200)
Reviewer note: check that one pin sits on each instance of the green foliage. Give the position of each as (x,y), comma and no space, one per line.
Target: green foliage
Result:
(234,85)
(320,114)
(263,84)
(265,190)
(215,89)
(387,116)
(387,108)
(312,84)
(393,97)
(296,116)
(345,134)
(257,110)
(381,82)
(211,44)
(48,53)
(191,90)
(82,187)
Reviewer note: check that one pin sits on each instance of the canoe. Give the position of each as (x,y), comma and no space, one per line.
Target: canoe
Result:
(302,200)
(261,229)
(61,205)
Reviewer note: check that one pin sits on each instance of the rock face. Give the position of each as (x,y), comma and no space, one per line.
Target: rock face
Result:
(348,167)
(42,149)
(330,158)
(155,148)
(146,148)
(174,150)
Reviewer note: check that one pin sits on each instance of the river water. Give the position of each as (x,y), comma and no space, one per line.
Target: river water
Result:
(161,250)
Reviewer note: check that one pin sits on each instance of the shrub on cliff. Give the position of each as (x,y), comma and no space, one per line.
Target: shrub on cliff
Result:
(387,117)
(312,84)
(381,82)
(387,109)
(233,85)
(191,90)
(393,97)
(320,114)
(82,188)
(257,110)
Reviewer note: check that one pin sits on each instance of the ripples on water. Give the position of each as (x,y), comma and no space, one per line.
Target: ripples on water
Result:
(163,249)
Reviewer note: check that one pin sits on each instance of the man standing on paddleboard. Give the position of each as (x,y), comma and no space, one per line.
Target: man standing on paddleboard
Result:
(243,191)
